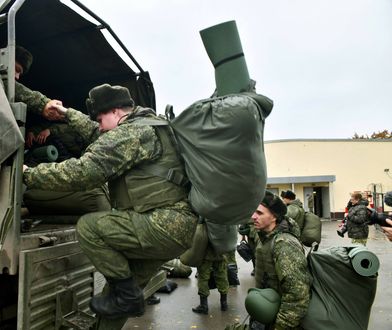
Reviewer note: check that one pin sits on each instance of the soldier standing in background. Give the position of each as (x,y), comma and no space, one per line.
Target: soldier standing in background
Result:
(214,264)
(295,208)
(151,221)
(281,262)
(310,202)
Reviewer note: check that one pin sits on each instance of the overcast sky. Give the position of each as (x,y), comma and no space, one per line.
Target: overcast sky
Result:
(327,64)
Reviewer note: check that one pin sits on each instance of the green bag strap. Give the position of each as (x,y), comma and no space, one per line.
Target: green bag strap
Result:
(170,174)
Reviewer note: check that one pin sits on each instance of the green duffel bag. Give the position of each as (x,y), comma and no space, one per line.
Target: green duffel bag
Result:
(42,202)
(223,238)
(221,142)
(343,288)
(311,231)
(194,256)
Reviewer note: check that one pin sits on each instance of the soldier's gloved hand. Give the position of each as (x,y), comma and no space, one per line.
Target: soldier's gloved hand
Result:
(51,112)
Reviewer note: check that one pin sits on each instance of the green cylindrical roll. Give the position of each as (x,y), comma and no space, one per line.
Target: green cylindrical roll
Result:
(364,262)
(262,304)
(223,45)
(46,154)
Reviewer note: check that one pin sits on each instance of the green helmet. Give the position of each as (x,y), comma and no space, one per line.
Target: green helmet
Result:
(262,304)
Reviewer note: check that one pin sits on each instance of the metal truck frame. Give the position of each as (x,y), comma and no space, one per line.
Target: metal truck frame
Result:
(46,282)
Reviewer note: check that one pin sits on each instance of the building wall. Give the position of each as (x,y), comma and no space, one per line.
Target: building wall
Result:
(356,164)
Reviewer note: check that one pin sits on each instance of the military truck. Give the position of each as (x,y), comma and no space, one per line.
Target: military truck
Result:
(46,281)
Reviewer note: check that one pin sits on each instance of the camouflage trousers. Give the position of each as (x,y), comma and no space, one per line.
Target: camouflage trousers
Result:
(123,244)
(219,271)
(230,257)
(361,241)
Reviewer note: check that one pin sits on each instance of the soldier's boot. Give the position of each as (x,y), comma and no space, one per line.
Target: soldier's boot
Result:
(223,302)
(203,307)
(125,298)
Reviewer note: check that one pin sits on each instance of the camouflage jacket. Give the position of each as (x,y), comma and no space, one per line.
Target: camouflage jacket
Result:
(296,212)
(357,222)
(34,100)
(108,156)
(281,264)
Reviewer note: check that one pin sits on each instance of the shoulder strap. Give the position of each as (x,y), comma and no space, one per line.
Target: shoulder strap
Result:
(170,174)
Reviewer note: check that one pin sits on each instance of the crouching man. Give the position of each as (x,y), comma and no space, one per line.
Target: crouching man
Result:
(281,262)
(151,221)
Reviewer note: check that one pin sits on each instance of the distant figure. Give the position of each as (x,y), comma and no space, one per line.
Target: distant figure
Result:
(214,264)
(295,208)
(310,199)
(357,220)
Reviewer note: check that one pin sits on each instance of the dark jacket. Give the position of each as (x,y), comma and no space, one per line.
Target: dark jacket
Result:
(357,221)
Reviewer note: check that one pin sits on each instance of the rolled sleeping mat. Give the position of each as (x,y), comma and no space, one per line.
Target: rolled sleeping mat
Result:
(223,45)
(364,262)
(262,304)
(46,154)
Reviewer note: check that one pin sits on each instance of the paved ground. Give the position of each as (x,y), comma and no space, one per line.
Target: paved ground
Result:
(174,312)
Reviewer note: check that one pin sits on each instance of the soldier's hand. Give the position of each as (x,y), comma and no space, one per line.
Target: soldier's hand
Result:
(30,138)
(42,136)
(51,112)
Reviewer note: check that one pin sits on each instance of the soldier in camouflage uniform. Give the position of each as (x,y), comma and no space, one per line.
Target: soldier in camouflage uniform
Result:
(214,264)
(151,221)
(280,262)
(295,208)
(37,103)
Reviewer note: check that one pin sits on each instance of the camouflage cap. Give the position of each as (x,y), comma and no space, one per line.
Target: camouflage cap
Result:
(23,57)
(274,204)
(105,97)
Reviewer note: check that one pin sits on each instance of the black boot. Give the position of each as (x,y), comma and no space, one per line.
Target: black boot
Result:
(125,298)
(203,307)
(223,301)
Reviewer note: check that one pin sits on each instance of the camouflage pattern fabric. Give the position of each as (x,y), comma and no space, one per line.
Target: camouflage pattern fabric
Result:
(34,100)
(289,267)
(216,266)
(120,244)
(123,244)
(109,156)
(296,212)
(230,257)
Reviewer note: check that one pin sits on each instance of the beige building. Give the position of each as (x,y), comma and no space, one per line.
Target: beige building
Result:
(330,170)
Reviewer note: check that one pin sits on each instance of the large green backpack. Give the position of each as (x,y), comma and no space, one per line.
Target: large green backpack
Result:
(311,231)
(221,142)
(343,289)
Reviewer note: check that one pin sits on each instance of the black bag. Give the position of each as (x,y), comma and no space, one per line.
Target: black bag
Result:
(169,287)
(245,251)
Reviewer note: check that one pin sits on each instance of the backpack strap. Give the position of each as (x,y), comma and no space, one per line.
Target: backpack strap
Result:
(170,174)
